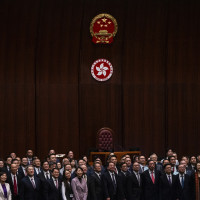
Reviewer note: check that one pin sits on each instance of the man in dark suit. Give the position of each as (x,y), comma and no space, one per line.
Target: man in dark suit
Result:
(29,154)
(31,186)
(188,171)
(150,182)
(129,164)
(172,161)
(54,188)
(14,181)
(123,174)
(142,161)
(7,164)
(158,166)
(134,183)
(193,162)
(44,176)
(112,186)
(37,166)
(22,168)
(96,182)
(186,184)
(168,184)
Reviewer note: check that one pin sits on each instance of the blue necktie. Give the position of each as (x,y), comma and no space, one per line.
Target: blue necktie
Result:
(182,181)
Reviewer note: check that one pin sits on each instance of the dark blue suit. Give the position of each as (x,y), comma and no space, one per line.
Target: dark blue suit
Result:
(53,192)
(150,189)
(109,189)
(187,192)
(168,191)
(28,192)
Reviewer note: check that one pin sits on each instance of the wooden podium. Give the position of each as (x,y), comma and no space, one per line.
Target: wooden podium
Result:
(103,155)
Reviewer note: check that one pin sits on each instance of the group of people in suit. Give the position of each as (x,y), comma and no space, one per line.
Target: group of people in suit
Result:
(135,178)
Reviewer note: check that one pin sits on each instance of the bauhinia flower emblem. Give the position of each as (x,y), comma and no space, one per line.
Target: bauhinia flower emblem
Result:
(101,70)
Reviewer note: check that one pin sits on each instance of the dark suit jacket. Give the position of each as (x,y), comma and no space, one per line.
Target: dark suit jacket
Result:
(108,186)
(150,190)
(53,192)
(27,192)
(35,172)
(42,177)
(9,180)
(123,178)
(44,181)
(90,186)
(187,192)
(96,186)
(167,191)
(159,167)
(21,172)
(134,189)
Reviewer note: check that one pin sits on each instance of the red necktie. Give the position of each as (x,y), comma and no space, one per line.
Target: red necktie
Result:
(15,186)
(152,177)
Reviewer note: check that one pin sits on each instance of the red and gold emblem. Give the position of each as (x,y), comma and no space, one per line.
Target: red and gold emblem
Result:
(103,28)
(101,70)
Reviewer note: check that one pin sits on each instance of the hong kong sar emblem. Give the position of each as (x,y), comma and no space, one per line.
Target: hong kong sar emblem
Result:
(103,28)
(101,70)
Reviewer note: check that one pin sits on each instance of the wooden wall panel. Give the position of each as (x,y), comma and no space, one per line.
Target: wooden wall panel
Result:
(183,76)
(57,76)
(101,103)
(144,76)
(18,24)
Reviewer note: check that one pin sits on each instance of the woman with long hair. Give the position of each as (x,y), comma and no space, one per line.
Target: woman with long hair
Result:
(5,192)
(79,185)
(67,192)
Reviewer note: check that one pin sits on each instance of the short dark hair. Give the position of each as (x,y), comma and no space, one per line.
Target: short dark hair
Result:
(55,168)
(148,161)
(141,156)
(29,166)
(171,157)
(113,156)
(13,160)
(45,161)
(2,173)
(95,163)
(52,163)
(53,154)
(166,165)
(168,150)
(121,164)
(110,162)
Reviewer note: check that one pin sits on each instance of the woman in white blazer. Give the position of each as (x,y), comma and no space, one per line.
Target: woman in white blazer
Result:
(5,193)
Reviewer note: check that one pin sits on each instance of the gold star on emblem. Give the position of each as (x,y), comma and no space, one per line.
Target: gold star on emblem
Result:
(104,20)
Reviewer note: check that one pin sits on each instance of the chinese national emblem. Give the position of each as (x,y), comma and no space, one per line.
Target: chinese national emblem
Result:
(103,28)
(101,70)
